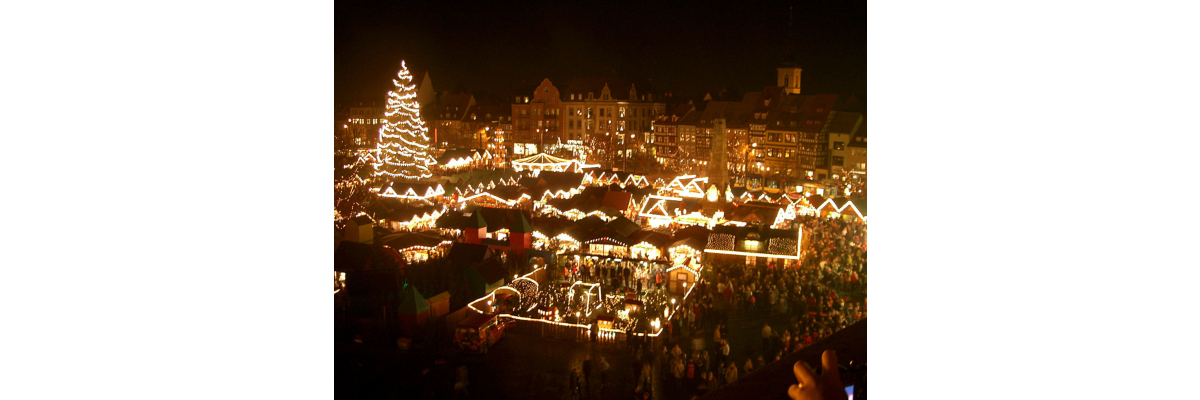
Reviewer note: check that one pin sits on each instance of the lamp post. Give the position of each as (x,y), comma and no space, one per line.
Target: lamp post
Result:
(625,150)
(753,145)
(612,157)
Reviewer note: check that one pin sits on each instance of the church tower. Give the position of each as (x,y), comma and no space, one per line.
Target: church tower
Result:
(788,78)
(788,73)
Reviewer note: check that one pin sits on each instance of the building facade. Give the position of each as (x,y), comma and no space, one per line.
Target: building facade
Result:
(842,127)
(610,115)
(537,120)
(665,133)
(360,126)
(856,160)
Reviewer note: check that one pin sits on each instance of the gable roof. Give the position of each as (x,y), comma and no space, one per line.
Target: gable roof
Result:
(412,302)
(582,86)
(755,211)
(504,218)
(617,199)
(656,239)
(351,256)
(860,138)
(845,122)
(458,154)
(361,220)
(403,241)
(491,271)
(623,226)
(467,254)
(589,223)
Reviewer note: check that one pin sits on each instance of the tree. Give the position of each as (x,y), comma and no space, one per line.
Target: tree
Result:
(403,141)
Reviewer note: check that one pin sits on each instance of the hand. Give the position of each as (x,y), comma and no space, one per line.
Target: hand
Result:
(828,386)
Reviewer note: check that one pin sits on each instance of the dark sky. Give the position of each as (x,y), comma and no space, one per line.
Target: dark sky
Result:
(491,47)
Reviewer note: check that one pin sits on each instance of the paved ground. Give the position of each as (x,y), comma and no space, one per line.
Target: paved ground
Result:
(521,366)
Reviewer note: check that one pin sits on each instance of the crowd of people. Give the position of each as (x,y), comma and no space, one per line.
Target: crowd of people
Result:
(813,297)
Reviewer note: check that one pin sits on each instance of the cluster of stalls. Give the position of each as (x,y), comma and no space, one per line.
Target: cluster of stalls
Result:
(374,292)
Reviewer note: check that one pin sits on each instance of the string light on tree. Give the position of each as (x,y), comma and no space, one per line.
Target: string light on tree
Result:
(404,139)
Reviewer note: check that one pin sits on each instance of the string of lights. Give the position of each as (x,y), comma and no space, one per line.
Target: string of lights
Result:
(403,139)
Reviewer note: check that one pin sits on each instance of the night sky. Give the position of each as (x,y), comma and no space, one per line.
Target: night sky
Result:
(490,48)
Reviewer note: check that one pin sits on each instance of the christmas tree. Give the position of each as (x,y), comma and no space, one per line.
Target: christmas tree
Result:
(403,141)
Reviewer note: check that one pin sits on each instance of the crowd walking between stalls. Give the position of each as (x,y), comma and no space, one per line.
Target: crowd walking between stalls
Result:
(798,302)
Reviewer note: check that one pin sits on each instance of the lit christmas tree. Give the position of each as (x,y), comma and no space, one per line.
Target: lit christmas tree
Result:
(403,141)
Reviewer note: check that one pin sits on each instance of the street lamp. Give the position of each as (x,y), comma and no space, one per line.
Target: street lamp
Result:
(625,151)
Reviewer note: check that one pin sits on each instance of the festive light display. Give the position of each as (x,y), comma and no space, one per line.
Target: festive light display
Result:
(787,214)
(521,290)
(574,214)
(636,180)
(403,141)
(781,246)
(719,241)
(542,161)
(694,189)
(842,209)
(697,218)
(677,183)
(510,203)
(411,193)
(655,207)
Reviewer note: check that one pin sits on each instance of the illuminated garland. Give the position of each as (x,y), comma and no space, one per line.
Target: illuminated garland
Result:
(403,140)
(412,194)
(781,246)
(841,209)
(719,241)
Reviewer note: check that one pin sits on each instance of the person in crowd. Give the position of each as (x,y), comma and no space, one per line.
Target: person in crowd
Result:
(724,350)
(766,337)
(677,371)
(731,373)
(575,384)
(712,381)
(587,374)
(461,382)
(603,372)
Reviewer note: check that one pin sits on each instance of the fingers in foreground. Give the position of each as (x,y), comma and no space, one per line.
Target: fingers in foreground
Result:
(829,362)
(794,392)
(803,374)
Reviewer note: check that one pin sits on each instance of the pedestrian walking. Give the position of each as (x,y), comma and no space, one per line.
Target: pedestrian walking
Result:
(603,372)
(587,374)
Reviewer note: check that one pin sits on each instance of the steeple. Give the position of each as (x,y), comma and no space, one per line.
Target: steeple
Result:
(788,72)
